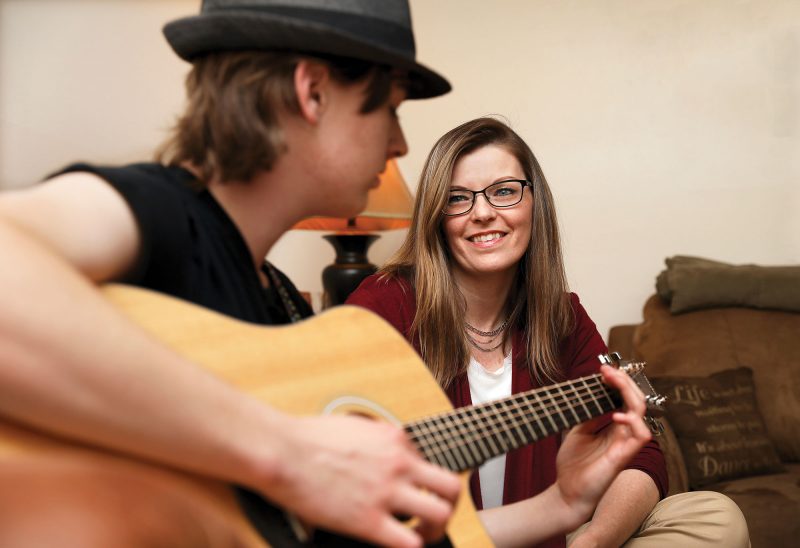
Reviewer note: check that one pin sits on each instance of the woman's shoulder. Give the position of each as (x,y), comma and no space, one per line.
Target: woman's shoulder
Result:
(580,317)
(579,313)
(382,286)
(391,296)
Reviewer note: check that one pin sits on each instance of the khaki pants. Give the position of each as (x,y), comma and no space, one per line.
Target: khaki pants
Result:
(696,519)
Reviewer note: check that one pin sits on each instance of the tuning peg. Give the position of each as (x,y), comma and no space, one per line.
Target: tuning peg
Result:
(654,425)
(632,368)
(610,359)
(658,401)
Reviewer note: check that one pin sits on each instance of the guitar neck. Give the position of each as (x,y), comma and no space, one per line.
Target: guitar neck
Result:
(465,438)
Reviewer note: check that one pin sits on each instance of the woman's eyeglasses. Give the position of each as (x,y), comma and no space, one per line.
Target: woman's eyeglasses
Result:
(501,194)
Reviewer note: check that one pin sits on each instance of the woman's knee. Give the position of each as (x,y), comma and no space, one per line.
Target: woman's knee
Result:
(700,518)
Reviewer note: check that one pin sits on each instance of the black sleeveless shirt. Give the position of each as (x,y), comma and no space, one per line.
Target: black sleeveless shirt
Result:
(190,247)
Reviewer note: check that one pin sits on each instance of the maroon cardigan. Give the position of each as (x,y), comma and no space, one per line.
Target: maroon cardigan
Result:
(532,468)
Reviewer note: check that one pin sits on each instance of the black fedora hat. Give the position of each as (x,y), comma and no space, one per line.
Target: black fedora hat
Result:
(371,30)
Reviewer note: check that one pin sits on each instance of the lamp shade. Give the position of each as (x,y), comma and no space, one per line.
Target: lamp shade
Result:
(389,207)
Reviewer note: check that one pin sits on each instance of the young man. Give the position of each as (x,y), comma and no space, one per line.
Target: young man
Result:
(291,112)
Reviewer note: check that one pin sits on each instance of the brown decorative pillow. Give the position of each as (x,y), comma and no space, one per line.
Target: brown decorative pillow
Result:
(719,428)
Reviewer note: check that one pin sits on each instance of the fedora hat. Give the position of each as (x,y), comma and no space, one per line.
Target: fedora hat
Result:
(378,31)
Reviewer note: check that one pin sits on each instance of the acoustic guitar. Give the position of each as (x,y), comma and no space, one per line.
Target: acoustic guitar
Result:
(346,360)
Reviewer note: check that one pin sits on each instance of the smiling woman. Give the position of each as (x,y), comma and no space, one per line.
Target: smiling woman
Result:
(479,288)
(508,255)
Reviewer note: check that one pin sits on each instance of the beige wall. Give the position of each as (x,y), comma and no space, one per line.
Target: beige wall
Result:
(84,79)
(664,127)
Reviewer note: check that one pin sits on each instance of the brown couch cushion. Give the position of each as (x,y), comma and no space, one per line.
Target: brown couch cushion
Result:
(771,505)
(691,283)
(718,426)
(706,341)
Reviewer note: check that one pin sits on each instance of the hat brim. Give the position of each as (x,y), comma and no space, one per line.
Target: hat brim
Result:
(196,35)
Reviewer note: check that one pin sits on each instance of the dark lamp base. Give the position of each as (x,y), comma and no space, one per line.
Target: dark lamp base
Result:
(350,267)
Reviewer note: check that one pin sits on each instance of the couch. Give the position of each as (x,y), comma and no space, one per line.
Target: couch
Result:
(699,346)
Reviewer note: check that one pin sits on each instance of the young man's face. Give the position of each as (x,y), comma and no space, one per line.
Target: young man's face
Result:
(354,147)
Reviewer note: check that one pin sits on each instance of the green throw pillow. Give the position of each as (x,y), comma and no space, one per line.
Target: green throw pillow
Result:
(718,426)
(692,283)
(680,261)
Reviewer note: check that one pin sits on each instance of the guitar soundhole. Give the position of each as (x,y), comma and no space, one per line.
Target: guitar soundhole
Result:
(359,407)
(361,414)
(272,524)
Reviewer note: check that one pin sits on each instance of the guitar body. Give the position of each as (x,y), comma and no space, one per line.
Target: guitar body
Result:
(346,360)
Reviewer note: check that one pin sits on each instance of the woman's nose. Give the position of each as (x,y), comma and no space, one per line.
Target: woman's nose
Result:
(482,209)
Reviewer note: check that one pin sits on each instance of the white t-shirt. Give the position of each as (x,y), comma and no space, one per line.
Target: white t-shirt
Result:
(485,386)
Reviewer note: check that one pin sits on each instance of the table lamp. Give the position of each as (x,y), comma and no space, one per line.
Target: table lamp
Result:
(389,207)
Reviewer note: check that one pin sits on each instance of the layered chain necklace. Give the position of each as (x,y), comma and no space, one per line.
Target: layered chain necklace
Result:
(491,335)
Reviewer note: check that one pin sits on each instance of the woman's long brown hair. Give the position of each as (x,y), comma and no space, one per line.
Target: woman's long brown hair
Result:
(539,299)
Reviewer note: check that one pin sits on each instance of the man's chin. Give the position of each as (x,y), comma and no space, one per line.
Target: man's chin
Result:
(351,210)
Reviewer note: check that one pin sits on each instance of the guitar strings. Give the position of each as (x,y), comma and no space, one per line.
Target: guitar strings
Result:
(461,429)
(554,396)
(442,435)
(455,446)
(454,440)
(508,416)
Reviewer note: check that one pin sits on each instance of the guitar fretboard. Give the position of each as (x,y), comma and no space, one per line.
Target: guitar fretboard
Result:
(465,438)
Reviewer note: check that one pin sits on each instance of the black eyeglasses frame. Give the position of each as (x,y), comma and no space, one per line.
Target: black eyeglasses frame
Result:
(524,182)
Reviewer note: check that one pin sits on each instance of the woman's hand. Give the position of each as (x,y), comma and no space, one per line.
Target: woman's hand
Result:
(589,461)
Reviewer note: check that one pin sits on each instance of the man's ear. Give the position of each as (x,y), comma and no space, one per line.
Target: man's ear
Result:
(311,81)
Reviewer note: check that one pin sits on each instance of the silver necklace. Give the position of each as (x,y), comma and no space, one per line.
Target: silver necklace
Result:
(492,333)
(474,343)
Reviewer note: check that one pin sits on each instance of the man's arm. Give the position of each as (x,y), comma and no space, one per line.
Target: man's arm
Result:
(72,365)
(587,464)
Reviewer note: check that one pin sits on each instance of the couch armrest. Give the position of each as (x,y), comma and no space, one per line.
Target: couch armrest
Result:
(676,466)
(620,339)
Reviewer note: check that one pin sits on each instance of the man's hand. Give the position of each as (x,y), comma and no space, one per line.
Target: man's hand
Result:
(354,476)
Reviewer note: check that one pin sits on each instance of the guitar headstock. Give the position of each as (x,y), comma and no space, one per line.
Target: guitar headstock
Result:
(654,401)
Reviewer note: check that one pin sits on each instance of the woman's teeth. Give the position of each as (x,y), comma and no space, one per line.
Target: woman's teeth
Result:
(486,237)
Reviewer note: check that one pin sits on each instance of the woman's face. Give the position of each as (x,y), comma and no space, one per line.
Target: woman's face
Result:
(488,240)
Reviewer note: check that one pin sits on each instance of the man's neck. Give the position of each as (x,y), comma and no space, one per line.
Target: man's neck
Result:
(263,209)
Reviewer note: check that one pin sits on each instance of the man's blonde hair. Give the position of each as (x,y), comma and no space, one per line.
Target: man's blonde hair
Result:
(229,129)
